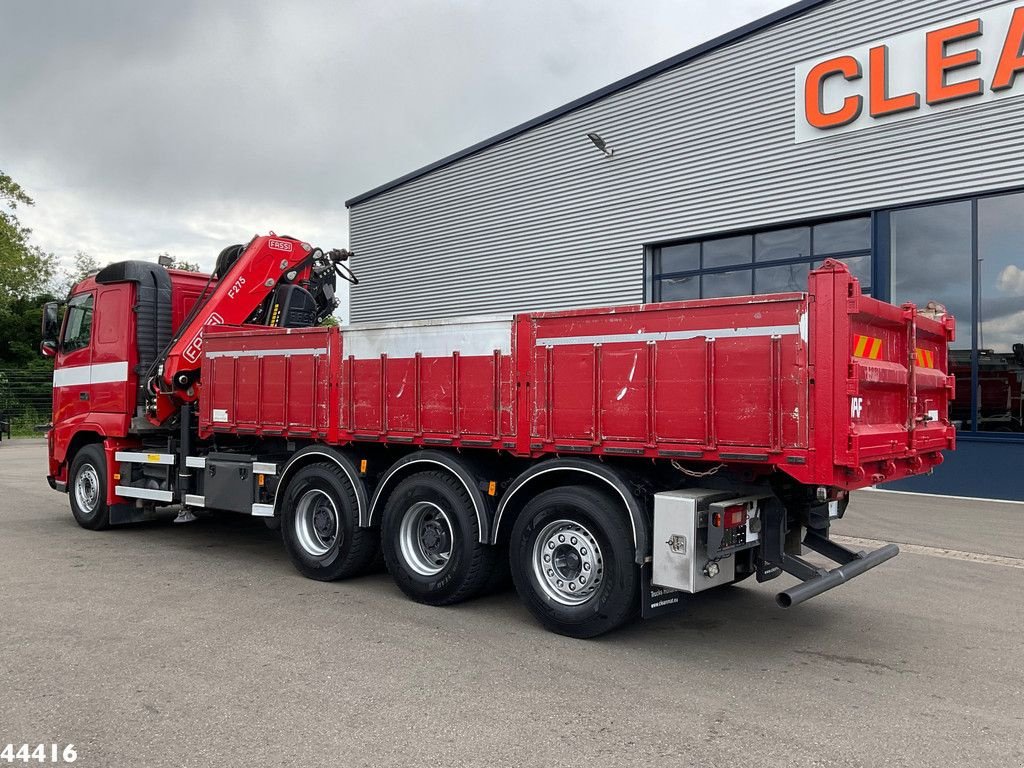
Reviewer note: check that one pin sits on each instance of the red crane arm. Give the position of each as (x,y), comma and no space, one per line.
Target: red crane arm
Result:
(267,261)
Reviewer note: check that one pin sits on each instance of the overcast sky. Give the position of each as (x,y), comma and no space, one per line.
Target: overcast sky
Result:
(185,126)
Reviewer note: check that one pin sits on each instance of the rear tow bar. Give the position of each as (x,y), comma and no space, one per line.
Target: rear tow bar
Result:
(821,580)
(815,579)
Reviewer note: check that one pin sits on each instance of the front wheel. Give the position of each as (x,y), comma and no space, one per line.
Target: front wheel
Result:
(87,488)
(573,561)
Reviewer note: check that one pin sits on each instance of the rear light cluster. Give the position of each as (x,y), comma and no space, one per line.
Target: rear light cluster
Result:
(730,517)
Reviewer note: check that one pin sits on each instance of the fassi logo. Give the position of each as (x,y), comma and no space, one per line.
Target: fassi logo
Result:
(966,61)
(195,347)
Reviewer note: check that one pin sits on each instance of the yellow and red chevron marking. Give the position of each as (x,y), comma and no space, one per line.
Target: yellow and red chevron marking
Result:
(924,358)
(867,346)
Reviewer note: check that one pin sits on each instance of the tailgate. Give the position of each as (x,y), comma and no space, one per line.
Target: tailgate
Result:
(890,382)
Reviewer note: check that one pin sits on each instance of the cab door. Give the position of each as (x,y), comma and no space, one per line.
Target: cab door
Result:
(112,384)
(72,372)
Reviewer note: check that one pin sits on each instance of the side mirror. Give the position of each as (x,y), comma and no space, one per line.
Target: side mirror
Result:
(50,328)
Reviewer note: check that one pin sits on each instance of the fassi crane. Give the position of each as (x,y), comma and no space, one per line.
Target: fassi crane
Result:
(276,281)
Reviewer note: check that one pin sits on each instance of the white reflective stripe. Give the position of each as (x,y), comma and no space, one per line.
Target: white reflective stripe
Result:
(143,493)
(195,462)
(268,352)
(109,373)
(195,501)
(138,457)
(71,377)
(709,333)
(263,510)
(264,467)
(101,373)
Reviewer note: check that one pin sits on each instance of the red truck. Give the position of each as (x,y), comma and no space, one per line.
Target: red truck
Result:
(613,460)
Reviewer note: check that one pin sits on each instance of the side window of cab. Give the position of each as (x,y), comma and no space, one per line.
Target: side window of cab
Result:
(77,323)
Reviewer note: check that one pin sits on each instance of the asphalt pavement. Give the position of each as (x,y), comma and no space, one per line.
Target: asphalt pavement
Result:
(199,645)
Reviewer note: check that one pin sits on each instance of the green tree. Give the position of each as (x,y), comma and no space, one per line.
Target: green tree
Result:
(25,269)
(20,321)
(84,265)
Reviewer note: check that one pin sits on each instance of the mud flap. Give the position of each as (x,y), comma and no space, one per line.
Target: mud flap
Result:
(658,601)
(123,514)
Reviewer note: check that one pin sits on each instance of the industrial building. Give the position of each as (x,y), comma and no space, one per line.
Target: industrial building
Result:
(883,134)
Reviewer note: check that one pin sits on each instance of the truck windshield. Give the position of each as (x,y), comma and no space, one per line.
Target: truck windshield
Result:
(78,326)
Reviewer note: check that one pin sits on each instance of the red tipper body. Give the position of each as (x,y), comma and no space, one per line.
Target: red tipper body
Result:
(831,387)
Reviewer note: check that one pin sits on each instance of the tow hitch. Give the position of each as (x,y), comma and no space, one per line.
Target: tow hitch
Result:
(815,579)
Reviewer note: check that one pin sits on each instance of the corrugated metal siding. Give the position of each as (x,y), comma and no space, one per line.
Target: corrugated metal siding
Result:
(544,221)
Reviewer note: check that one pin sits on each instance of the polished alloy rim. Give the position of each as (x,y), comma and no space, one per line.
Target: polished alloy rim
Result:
(426,538)
(567,562)
(87,488)
(317,525)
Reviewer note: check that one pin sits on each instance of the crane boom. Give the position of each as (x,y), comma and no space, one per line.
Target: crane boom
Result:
(273,281)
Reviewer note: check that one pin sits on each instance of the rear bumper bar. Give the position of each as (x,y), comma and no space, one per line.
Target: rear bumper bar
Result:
(823,581)
(780,552)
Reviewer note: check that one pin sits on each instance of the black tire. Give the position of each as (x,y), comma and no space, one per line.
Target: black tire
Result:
(87,488)
(606,575)
(320,525)
(442,561)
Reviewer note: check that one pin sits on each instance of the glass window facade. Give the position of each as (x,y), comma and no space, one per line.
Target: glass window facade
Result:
(970,256)
(770,261)
(967,254)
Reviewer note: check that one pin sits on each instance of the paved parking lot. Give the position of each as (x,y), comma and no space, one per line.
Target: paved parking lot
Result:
(198,645)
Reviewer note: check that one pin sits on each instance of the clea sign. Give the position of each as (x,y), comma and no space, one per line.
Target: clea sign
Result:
(956,63)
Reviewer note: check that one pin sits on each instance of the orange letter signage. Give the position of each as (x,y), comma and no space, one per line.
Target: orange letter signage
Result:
(938,63)
(881,102)
(1011,62)
(814,93)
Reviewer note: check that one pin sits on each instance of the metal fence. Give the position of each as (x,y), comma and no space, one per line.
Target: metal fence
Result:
(25,399)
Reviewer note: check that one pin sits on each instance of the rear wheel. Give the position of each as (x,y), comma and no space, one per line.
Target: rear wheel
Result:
(573,561)
(87,488)
(430,538)
(320,525)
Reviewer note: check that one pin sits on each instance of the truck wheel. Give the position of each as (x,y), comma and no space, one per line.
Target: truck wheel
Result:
(87,488)
(320,525)
(573,561)
(430,539)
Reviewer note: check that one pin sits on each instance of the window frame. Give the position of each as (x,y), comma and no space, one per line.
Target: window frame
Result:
(653,278)
(75,303)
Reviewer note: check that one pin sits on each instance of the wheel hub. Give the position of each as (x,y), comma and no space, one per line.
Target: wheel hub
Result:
(317,523)
(434,538)
(426,538)
(322,522)
(87,486)
(567,562)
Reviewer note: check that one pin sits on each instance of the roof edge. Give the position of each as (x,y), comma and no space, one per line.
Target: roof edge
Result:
(783,14)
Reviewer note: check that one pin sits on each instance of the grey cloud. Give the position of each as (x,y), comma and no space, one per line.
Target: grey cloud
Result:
(144,126)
